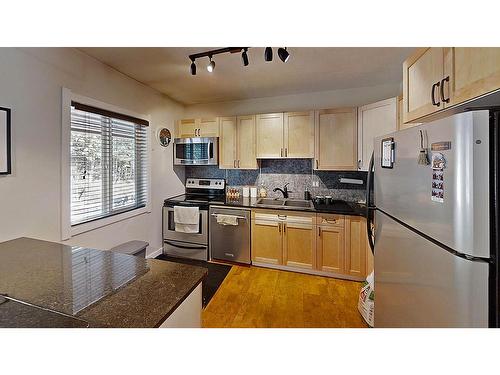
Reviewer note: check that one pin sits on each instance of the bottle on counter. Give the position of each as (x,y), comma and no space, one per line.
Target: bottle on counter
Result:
(262,191)
(307,195)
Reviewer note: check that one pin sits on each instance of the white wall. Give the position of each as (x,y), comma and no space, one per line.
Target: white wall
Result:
(314,100)
(30,84)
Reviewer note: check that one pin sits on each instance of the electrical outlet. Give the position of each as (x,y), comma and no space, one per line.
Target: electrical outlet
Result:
(315,183)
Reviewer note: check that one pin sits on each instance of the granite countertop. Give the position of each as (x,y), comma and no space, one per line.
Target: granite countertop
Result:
(348,208)
(102,288)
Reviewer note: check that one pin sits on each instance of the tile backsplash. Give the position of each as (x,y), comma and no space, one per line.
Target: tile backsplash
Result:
(298,173)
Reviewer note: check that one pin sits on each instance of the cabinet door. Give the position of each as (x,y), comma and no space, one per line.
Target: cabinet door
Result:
(270,135)
(299,134)
(227,142)
(355,246)
(472,72)
(299,245)
(267,240)
(246,135)
(336,139)
(330,249)
(208,127)
(374,120)
(420,72)
(186,128)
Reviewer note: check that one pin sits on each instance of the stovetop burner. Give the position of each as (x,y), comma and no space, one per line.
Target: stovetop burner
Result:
(200,192)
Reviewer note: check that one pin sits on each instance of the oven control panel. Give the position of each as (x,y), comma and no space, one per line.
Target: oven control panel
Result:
(206,183)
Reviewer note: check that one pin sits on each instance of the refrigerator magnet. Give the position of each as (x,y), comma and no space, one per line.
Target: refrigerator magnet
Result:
(437,188)
(387,160)
(438,161)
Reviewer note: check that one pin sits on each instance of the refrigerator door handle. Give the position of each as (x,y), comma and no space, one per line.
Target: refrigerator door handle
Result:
(369,207)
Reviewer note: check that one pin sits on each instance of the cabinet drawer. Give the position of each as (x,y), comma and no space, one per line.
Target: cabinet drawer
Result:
(330,220)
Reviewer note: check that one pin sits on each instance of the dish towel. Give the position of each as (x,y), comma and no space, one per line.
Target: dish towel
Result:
(187,219)
(227,219)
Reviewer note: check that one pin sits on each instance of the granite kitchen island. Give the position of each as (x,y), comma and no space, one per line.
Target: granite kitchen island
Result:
(46,284)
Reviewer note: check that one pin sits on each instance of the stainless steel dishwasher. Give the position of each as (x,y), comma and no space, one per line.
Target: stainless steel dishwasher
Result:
(230,242)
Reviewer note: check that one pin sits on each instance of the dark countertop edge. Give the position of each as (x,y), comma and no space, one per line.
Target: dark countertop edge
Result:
(181,300)
(359,211)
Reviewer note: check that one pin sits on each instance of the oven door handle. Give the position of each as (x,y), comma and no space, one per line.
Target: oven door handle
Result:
(185,247)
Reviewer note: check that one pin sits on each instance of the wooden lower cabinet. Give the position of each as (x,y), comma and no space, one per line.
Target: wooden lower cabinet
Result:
(267,241)
(330,249)
(299,242)
(324,244)
(355,232)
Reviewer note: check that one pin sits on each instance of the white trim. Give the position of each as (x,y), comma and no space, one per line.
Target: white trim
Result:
(67,231)
(155,253)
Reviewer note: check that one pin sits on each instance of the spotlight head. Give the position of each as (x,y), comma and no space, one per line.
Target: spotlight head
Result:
(211,65)
(268,54)
(193,68)
(244,57)
(283,54)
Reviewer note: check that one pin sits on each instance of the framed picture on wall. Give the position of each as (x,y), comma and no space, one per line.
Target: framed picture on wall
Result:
(5,162)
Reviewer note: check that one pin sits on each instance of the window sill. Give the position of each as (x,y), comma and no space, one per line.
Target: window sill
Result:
(72,231)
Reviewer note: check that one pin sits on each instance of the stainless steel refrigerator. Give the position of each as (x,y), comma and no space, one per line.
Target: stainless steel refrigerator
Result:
(434,226)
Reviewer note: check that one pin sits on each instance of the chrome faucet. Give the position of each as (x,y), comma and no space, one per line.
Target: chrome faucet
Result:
(284,191)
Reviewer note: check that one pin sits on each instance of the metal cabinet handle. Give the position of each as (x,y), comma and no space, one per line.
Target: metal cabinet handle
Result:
(281,152)
(282,217)
(334,221)
(317,164)
(284,228)
(238,163)
(279,227)
(286,152)
(234,163)
(359,164)
(433,92)
(443,99)
(319,231)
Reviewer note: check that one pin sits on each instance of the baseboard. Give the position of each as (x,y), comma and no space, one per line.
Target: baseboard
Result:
(155,253)
(308,271)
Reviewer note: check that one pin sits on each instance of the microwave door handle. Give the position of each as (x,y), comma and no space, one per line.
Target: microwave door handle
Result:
(369,207)
(210,150)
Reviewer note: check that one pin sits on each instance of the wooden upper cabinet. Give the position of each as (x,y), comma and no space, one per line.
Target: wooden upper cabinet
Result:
(186,128)
(208,127)
(246,137)
(237,143)
(299,134)
(336,139)
(421,73)
(374,120)
(355,232)
(472,72)
(270,135)
(199,127)
(299,241)
(227,142)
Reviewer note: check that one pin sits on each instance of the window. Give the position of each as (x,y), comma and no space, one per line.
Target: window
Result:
(108,163)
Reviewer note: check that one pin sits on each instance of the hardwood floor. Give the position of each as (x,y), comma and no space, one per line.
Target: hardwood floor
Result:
(255,297)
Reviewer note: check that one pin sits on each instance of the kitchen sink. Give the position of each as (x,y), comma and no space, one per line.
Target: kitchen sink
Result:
(270,202)
(298,203)
(285,203)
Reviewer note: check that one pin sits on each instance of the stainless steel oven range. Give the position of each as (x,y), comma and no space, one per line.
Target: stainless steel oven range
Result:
(199,193)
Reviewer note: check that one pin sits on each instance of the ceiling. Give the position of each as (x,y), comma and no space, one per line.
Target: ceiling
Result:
(309,69)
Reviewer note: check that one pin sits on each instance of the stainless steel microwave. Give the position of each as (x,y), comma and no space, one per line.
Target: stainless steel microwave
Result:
(196,151)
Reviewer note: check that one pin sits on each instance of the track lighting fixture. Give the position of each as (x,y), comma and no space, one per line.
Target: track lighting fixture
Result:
(211,65)
(283,54)
(268,54)
(193,67)
(244,57)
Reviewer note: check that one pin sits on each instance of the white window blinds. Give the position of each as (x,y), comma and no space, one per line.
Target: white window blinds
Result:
(108,163)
